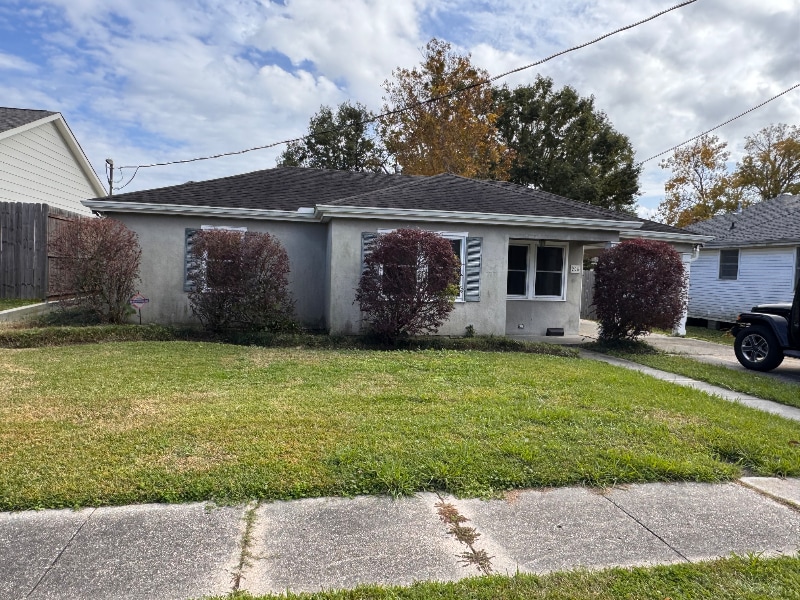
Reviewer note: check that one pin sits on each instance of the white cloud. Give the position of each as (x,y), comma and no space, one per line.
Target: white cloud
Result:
(10,62)
(156,81)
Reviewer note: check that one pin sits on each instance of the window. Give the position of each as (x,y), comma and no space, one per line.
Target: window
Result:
(536,271)
(189,261)
(466,249)
(729,264)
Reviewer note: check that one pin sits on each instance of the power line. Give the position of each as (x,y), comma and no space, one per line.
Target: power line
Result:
(749,110)
(416,104)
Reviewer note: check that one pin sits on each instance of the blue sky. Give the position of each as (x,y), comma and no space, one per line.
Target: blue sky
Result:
(144,81)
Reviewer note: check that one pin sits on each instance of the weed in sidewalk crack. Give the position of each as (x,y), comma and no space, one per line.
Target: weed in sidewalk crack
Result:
(245,555)
(466,535)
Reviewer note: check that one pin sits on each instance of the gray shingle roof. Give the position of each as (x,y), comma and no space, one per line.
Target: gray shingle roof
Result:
(775,221)
(283,188)
(11,118)
(453,193)
(289,188)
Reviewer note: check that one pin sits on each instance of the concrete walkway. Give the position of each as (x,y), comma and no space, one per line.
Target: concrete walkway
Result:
(701,350)
(191,550)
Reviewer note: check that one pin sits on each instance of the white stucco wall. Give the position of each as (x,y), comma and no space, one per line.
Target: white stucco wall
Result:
(495,314)
(162,239)
(37,166)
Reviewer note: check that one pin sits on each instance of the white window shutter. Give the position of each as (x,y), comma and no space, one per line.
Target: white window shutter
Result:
(367,243)
(189,261)
(472,293)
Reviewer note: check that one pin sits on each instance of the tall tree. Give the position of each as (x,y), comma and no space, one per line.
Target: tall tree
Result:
(700,186)
(564,145)
(453,134)
(346,140)
(772,163)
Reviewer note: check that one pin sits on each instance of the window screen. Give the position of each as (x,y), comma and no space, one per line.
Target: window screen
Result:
(517,282)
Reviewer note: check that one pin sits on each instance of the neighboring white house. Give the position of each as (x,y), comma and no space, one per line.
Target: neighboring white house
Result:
(522,249)
(754,258)
(41,162)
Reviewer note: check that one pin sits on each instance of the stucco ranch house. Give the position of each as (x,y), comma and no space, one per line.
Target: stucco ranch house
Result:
(521,249)
(753,258)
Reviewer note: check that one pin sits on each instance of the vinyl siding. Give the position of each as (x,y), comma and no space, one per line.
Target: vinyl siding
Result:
(765,275)
(37,166)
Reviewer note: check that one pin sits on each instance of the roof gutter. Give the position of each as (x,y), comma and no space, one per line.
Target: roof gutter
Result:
(326,212)
(663,236)
(103,205)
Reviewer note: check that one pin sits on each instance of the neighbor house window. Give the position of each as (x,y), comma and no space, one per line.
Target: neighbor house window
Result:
(536,271)
(728,264)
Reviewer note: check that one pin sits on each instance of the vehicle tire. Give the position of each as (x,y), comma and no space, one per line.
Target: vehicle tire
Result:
(758,349)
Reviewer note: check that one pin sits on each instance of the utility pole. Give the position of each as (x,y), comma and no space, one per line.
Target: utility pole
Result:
(110,169)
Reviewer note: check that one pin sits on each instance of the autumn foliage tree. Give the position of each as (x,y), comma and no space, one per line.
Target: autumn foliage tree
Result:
(409,284)
(772,164)
(441,121)
(700,186)
(95,267)
(239,280)
(639,285)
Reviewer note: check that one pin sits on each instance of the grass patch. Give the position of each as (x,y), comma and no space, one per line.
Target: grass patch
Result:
(123,423)
(746,382)
(26,336)
(9,303)
(735,578)
(718,336)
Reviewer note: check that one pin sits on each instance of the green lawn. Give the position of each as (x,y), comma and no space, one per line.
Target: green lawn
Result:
(121,423)
(747,382)
(735,578)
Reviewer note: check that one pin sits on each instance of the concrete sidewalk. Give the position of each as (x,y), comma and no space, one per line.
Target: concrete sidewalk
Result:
(188,551)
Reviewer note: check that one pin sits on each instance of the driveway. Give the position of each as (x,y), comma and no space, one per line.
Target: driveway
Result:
(709,352)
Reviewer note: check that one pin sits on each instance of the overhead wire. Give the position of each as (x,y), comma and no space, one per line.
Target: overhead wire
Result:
(407,107)
(749,110)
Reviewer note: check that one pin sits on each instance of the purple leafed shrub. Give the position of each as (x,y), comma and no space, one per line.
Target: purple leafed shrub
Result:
(639,285)
(240,281)
(409,284)
(95,267)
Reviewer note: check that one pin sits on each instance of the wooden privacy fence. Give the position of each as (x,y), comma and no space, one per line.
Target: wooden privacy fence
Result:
(25,262)
(587,296)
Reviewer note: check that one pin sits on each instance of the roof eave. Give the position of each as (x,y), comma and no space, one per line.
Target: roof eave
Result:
(326,212)
(110,205)
(664,236)
(754,244)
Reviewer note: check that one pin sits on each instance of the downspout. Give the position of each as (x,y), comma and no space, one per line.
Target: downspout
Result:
(688,258)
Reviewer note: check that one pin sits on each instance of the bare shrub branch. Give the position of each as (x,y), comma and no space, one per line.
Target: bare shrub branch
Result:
(96,267)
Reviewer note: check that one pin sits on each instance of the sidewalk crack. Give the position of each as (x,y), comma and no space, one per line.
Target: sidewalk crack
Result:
(58,556)
(653,533)
(449,515)
(245,556)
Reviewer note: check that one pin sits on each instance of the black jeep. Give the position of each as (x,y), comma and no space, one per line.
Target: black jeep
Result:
(767,334)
